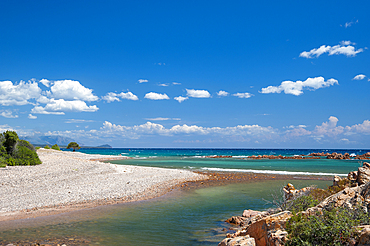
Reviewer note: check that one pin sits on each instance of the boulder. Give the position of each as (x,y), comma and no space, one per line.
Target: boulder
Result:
(250,213)
(261,228)
(363,174)
(236,220)
(277,237)
(238,241)
(352,176)
(364,238)
(336,180)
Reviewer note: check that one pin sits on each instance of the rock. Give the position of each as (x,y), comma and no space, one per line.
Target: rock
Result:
(290,192)
(237,220)
(352,176)
(260,229)
(364,238)
(250,213)
(363,173)
(277,237)
(238,241)
(336,180)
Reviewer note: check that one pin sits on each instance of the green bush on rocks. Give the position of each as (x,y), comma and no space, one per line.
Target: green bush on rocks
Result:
(55,146)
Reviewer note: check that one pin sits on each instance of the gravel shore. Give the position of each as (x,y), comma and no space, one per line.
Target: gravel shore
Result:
(66,179)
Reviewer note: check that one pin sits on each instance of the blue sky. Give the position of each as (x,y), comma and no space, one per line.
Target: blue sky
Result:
(247,74)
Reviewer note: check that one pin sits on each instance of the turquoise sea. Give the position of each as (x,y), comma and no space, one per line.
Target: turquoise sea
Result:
(193,217)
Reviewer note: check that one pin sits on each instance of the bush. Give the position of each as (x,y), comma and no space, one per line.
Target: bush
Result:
(46,147)
(331,227)
(11,138)
(2,162)
(26,144)
(302,203)
(55,146)
(23,156)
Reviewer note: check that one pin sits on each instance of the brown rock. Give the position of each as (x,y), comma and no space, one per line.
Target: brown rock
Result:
(352,176)
(250,213)
(260,229)
(336,180)
(364,235)
(237,220)
(238,241)
(277,237)
(363,175)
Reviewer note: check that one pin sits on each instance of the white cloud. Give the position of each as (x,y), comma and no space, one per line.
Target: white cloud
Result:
(363,128)
(359,77)
(348,24)
(156,96)
(329,128)
(45,82)
(164,85)
(296,88)
(180,99)
(243,95)
(18,94)
(60,106)
(344,48)
(8,114)
(128,95)
(111,96)
(77,121)
(176,83)
(71,90)
(222,93)
(32,117)
(198,93)
(143,81)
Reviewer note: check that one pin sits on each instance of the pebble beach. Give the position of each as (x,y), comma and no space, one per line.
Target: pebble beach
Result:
(73,180)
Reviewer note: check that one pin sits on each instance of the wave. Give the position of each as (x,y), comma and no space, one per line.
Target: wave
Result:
(270,171)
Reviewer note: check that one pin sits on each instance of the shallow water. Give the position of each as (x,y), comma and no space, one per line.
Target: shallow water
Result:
(192,217)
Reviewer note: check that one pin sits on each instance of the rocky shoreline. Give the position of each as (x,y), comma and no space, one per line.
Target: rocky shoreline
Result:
(261,228)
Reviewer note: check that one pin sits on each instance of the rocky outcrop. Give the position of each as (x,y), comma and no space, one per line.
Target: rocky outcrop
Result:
(238,241)
(267,230)
(339,156)
(290,192)
(364,239)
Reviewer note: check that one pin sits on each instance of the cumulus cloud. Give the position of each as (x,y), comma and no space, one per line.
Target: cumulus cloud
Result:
(71,90)
(45,82)
(363,128)
(344,48)
(143,81)
(359,77)
(222,93)
(243,95)
(8,114)
(32,117)
(156,96)
(296,88)
(198,93)
(18,94)
(60,106)
(329,128)
(180,99)
(111,96)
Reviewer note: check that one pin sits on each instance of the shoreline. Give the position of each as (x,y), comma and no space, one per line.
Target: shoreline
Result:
(175,180)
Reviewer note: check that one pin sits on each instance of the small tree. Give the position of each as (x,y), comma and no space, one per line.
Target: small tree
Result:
(55,146)
(11,138)
(73,145)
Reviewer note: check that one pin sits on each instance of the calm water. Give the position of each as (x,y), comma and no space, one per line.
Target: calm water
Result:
(183,217)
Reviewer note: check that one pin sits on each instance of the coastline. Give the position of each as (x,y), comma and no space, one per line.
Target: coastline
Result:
(134,183)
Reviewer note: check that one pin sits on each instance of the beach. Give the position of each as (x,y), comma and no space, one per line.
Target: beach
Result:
(68,181)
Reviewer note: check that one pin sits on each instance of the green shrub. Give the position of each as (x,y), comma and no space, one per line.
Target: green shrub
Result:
(2,162)
(55,146)
(38,147)
(10,161)
(331,227)
(302,203)
(11,138)
(23,156)
(26,144)
(46,147)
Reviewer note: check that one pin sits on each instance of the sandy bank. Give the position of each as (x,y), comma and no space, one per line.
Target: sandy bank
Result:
(72,180)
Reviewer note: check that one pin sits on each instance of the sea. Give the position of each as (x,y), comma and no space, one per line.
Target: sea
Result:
(182,217)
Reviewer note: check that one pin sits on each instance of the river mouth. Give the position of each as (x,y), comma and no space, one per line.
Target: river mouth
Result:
(182,217)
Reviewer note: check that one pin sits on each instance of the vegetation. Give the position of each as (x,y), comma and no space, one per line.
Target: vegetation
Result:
(335,226)
(55,146)
(15,152)
(46,147)
(73,145)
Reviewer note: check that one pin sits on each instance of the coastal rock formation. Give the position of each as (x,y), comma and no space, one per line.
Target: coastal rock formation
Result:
(339,156)
(363,174)
(290,192)
(238,241)
(267,230)
(364,239)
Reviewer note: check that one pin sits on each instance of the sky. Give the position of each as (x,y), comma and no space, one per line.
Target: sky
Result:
(191,74)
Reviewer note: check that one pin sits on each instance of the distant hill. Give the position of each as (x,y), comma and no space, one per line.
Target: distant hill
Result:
(104,146)
(41,140)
